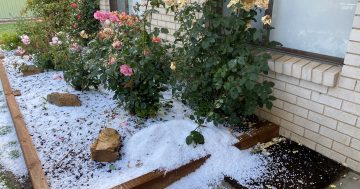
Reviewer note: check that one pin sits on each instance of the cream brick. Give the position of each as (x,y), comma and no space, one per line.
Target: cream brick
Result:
(340,115)
(282,114)
(357,11)
(355,35)
(353,46)
(322,120)
(271,65)
(310,105)
(292,127)
(347,83)
(353,164)
(314,86)
(346,150)
(280,62)
(355,143)
(284,132)
(170,25)
(349,130)
(271,62)
(161,23)
(345,94)
(168,18)
(271,74)
(350,71)
(335,135)
(287,79)
(287,67)
(270,117)
(357,87)
(298,91)
(331,76)
(358,122)
(298,66)
(296,110)
(301,140)
(306,73)
(352,59)
(278,103)
(278,84)
(356,22)
(351,108)
(318,72)
(170,38)
(157,17)
(327,100)
(330,153)
(284,96)
(154,22)
(318,138)
(306,123)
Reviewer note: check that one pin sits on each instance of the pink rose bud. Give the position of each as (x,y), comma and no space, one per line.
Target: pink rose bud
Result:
(116,45)
(156,39)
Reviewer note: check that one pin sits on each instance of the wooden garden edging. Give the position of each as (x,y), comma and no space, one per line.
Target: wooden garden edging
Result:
(32,160)
(160,179)
(263,132)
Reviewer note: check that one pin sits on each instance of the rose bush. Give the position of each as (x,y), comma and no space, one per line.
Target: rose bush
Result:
(217,68)
(135,62)
(68,17)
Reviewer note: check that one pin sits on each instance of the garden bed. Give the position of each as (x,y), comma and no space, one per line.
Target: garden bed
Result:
(62,137)
(291,165)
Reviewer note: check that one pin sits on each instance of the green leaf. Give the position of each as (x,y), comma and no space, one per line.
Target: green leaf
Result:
(112,167)
(198,137)
(189,139)
(164,30)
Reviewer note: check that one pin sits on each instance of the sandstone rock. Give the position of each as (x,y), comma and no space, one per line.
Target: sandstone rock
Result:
(16,92)
(106,146)
(2,56)
(28,70)
(63,99)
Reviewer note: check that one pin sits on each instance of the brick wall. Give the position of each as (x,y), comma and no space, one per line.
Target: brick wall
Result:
(318,104)
(104,5)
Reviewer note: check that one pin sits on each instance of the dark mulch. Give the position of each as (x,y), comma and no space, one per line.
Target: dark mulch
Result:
(295,166)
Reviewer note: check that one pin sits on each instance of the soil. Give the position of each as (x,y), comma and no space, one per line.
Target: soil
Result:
(291,165)
(13,182)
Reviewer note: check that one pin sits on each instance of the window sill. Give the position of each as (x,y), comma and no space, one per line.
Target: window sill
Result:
(305,69)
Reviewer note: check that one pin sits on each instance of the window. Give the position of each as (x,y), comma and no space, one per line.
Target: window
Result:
(123,5)
(119,5)
(309,27)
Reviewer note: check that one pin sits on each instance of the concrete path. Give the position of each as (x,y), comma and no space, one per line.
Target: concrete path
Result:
(350,180)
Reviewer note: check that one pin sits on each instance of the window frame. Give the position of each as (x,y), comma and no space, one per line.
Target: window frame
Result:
(301,53)
(114,5)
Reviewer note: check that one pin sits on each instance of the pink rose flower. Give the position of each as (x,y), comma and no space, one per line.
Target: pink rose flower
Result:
(116,45)
(112,60)
(55,41)
(25,39)
(126,70)
(74,47)
(74,5)
(156,39)
(97,15)
(102,16)
(113,17)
